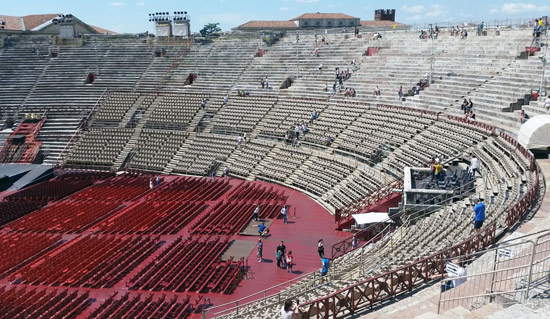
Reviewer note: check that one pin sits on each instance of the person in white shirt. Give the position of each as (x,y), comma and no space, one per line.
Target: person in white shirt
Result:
(474,166)
(256,213)
(287,310)
(461,273)
(547,103)
(284,214)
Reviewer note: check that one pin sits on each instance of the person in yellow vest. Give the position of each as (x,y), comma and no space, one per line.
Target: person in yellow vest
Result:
(438,168)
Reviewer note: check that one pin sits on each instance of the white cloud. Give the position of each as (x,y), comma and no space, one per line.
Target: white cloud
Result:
(140,3)
(284,8)
(518,7)
(435,11)
(424,13)
(522,7)
(118,4)
(417,9)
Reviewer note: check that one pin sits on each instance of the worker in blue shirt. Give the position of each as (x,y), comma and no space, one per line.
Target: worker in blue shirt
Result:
(479,214)
(325,262)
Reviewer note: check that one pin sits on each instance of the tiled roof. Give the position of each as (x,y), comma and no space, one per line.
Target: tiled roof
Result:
(258,24)
(34,20)
(319,15)
(381,24)
(12,23)
(101,30)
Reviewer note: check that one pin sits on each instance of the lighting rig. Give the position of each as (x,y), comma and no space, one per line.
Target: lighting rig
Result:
(177,23)
(63,18)
(168,17)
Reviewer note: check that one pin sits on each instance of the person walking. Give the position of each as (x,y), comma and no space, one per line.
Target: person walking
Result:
(256,213)
(479,214)
(474,166)
(280,254)
(289,261)
(321,248)
(284,214)
(354,242)
(260,247)
(325,262)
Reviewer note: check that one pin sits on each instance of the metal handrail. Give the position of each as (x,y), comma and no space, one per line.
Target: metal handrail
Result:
(79,128)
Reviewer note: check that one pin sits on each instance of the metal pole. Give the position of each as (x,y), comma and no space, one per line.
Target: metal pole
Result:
(362,264)
(542,88)
(529,277)
(431,60)
(491,298)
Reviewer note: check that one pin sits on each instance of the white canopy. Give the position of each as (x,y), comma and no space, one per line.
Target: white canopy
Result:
(535,133)
(369,218)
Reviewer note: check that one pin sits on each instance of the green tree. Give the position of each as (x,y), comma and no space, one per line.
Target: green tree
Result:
(210,29)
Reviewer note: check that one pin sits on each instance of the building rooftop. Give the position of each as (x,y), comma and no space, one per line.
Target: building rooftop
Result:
(256,24)
(381,24)
(319,15)
(30,22)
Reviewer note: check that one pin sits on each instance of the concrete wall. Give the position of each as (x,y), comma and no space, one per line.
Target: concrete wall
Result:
(328,23)
(80,28)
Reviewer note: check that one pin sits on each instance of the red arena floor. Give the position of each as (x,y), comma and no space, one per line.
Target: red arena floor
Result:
(109,246)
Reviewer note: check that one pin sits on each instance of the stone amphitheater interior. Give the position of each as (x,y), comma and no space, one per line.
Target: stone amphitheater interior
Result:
(282,169)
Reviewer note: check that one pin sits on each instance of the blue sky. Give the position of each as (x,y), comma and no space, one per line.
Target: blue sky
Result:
(131,15)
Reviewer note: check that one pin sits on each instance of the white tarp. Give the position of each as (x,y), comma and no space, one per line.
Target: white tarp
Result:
(535,133)
(369,218)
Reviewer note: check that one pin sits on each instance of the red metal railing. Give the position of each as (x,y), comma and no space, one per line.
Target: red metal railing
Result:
(343,216)
(362,238)
(388,285)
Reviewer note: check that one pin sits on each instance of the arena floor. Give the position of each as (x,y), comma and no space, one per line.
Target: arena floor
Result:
(75,237)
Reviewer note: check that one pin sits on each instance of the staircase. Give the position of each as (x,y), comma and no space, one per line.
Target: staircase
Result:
(132,142)
(179,154)
(131,114)
(55,135)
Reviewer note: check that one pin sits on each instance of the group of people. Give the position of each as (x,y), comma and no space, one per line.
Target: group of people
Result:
(421,85)
(154,182)
(432,33)
(264,83)
(467,105)
(284,260)
(377,91)
(342,75)
(459,31)
(241,139)
(243,93)
(350,92)
(295,132)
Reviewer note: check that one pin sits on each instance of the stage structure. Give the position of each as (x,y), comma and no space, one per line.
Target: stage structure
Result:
(177,24)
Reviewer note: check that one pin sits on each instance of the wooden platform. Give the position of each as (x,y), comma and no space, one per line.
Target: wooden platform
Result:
(252,227)
(239,249)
